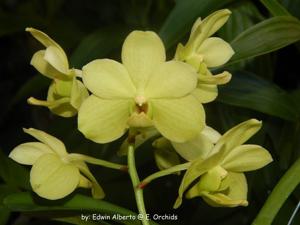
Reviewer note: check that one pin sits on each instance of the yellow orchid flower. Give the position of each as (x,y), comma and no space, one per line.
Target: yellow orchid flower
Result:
(55,173)
(221,178)
(143,91)
(203,52)
(66,92)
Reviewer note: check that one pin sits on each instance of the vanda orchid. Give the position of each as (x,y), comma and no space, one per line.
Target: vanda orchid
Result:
(144,91)
(204,52)
(144,98)
(55,173)
(65,93)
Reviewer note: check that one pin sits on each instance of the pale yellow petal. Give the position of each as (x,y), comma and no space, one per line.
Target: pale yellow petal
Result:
(55,55)
(44,67)
(59,105)
(43,38)
(107,78)
(62,88)
(170,80)
(179,120)
(238,188)
(236,195)
(78,93)
(209,182)
(29,152)
(142,52)
(222,78)
(222,200)
(212,23)
(179,54)
(204,29)
(97,190)
(215,51)
(34,101)
(103,120)
(246,158)
(239,134)
(57,59)
(55,144)
(205,92)
(200,146)
(196,25)
(51,178)
(211,134)
(84,182)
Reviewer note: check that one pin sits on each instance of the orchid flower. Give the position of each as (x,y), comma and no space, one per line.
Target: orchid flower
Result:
(205,52)
(142,92)
(66,92)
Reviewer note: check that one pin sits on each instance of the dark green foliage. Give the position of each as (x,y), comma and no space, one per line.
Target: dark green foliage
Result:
(266,87)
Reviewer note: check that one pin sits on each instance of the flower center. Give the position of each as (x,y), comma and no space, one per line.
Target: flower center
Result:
(140,113)
(140,100)
(141,105)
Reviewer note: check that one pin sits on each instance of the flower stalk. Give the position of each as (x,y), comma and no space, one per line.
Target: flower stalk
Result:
(135,182)
(99,162)
(162,173)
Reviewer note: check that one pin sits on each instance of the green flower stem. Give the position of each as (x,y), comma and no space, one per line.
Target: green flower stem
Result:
(280,193)
(99,162)
(165,172)
(135,181)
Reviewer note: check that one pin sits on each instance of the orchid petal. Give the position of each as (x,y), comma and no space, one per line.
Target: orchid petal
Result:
(102,120)
(239,134)
(175,79)
(215,51)
(78,93)
(142,52)
(246,158)
(40,64)
(29,152)
(55,144)
(107,78)
(51,178)
(179,119)
(205,93)
(200,146)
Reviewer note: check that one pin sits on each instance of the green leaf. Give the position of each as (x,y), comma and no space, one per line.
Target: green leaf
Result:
(292,6)
(249,91)
(98,45)
(15,175)
(275,8)
(26,202)
(243,17)
(267,36)
(184,14)
(4,213)
(279,195)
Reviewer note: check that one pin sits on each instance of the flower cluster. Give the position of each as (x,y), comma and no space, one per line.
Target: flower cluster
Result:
(146,97)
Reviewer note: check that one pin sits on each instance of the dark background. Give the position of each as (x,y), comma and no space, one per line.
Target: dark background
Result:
(95,29)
